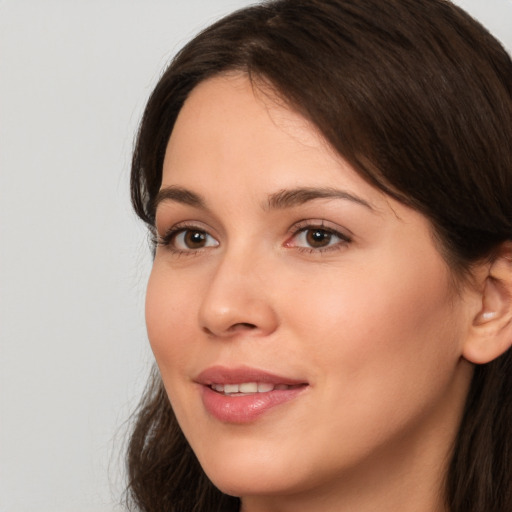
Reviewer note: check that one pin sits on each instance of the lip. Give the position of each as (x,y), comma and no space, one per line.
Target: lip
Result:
(224,375)
(244,408)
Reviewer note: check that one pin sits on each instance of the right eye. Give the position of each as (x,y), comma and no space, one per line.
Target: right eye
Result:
(187,240)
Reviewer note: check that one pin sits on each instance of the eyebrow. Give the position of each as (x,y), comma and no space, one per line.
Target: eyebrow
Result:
(179,195)
(301,195)
(286,198)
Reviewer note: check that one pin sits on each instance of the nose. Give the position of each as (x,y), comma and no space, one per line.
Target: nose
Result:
(238,299)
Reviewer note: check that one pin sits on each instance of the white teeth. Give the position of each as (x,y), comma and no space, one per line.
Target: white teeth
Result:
(264,387)
(231,388)
(248,388)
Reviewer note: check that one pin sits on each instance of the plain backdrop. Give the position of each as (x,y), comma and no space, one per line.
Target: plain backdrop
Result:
(74,78)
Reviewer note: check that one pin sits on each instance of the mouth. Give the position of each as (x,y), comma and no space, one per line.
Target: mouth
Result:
(243,395)
(250,388)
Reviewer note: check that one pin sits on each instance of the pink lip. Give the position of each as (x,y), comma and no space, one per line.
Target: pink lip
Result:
(246,408)
(223,375)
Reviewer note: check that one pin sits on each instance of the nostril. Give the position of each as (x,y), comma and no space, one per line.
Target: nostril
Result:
(242,326)
(207,331)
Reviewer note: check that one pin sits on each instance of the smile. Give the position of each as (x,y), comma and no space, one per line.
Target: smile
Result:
(243,394)
(249,388)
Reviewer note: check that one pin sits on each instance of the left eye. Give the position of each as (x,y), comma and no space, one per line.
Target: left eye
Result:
(316,238)
(190,239)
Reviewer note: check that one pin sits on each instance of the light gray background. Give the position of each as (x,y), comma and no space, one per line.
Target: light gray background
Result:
(74,77)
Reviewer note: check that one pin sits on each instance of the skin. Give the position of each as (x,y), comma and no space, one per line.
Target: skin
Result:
(373,324)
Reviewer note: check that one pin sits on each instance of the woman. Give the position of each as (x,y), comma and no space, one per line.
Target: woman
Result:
(329,186)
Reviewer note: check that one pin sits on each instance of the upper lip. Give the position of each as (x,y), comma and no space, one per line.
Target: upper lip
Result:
(241,374)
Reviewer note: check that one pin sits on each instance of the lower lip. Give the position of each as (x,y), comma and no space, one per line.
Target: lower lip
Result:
(245,408)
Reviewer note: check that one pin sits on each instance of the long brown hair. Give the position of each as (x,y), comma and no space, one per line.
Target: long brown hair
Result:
(417,96)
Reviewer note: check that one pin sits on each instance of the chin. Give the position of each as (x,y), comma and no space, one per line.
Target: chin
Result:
(250,484)
(247,475)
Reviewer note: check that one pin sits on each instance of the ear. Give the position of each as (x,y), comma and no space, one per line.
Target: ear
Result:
(491,331)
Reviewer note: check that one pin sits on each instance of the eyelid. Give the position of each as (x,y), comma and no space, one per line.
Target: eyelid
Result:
(310,224)
(175,230)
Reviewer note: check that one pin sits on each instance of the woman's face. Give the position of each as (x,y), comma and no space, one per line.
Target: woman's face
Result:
(304,323)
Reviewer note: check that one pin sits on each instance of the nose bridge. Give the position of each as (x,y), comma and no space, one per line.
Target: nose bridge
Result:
(236,298)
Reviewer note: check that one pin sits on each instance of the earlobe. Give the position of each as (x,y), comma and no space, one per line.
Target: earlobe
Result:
(491,332)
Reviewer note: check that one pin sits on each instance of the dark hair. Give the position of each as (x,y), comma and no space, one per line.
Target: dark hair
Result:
(417,97)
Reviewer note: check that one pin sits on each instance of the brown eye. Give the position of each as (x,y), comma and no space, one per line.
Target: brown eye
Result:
(194,239)
(318,237)
(191,240)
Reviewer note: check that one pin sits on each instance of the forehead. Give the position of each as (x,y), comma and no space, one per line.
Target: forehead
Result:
(229,99)
(232,128)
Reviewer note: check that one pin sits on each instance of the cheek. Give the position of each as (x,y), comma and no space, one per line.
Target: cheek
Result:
(167,306)
(384,352)
(384,327)
(169,310)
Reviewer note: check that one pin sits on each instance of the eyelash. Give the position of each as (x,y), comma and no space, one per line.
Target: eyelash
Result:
(311,225)
(303,227)
(170,236)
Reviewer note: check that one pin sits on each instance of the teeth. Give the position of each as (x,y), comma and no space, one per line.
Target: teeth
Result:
(264,387)
(231,388)
(248,388)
